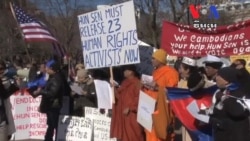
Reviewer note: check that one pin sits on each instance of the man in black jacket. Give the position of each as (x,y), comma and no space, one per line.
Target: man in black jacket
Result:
(52,96)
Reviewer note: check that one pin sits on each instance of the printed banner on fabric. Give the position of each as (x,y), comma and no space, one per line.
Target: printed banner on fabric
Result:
(185,40)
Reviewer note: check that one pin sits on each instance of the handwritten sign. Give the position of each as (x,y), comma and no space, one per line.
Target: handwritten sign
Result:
(145,66)
(184,40)
(74,129)
(146,108)
(101,124)
(30,124)
(109,36)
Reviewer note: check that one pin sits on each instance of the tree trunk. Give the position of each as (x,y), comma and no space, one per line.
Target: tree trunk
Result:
(153,22)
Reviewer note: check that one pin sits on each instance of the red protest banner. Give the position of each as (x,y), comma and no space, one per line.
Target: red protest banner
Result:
(185,40)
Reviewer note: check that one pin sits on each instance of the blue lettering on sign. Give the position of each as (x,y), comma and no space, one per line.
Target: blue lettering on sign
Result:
(113,12)
(114,24)
(91,44)
(103,58)
(121,39)
(96,16)
(84,19)
(131,55)
(92,29)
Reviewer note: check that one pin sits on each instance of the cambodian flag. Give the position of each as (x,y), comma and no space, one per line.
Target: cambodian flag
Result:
(180,99)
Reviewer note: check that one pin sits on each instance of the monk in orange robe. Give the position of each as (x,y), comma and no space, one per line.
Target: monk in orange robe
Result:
(124,125)
(163,118)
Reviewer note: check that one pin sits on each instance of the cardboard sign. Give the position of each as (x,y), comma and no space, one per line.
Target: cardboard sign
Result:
(72,128)
(109,36)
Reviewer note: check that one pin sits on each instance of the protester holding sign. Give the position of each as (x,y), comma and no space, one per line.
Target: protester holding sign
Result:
(124,125)
(163,119)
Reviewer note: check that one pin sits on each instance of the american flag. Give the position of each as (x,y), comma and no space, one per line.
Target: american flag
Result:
(35,31)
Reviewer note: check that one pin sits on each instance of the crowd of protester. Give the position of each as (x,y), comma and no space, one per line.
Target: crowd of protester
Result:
(229,116)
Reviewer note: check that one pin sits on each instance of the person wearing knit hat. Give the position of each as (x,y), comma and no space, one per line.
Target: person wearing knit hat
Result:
(229,74)
(163,76)
(160,56)
(212,65)
(229,114)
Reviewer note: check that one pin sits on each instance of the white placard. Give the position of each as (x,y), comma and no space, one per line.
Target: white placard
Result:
(101,124)
(104,94)
(146,108)
(194,111)
(109,36)
(29,123)
(72,128)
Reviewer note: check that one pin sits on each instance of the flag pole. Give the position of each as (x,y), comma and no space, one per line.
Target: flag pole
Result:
(14,15)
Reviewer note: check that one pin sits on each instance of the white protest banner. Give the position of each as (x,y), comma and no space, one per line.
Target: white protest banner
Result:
(101,124)
(104,94)
(30,124)
(109,36)
(74,129)
(146,108)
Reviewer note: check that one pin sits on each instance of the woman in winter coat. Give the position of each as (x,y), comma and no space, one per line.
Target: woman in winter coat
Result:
(228,115)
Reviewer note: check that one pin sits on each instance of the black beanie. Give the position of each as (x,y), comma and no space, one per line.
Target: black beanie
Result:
(229,74)
(195,81)
(215,65)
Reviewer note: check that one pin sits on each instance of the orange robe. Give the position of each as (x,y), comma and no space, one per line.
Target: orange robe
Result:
(126,127)
(165,77)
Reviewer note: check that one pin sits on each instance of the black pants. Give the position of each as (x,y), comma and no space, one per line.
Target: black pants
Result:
(52,122)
